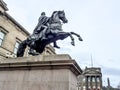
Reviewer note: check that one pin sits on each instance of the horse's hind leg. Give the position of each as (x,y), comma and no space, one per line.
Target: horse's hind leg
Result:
(21,49)
(72,39)
(79,37)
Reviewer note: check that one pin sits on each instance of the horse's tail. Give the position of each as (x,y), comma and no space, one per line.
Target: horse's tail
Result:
(21,49)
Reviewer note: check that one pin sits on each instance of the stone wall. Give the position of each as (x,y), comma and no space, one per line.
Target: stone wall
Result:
(37,80)
(14,33)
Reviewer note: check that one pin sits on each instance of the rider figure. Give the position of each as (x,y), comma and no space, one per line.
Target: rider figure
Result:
(41,26)
(38,32)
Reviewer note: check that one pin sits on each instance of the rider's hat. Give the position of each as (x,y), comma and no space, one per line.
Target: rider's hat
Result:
(43,13)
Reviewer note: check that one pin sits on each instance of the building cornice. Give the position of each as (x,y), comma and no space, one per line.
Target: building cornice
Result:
(41,62)
(3,5)
(16,23)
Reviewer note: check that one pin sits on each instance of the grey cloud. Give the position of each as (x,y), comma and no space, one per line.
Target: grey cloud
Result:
(111,71)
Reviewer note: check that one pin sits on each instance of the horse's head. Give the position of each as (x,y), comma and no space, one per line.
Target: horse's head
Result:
(60,15)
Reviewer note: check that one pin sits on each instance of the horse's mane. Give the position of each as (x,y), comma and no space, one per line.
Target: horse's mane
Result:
(52,16)
(56,12)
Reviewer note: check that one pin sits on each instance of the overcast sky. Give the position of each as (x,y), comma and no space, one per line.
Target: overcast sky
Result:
(97,21)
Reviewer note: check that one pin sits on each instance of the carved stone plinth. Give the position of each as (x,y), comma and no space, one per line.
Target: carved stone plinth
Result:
(51,72)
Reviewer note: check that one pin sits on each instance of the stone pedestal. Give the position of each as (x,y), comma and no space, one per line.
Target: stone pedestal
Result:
(51,72)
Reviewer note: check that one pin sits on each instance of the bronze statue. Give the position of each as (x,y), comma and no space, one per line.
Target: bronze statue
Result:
(38,33)
(48,30)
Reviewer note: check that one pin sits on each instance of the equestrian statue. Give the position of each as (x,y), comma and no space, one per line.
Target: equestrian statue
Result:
(48,30)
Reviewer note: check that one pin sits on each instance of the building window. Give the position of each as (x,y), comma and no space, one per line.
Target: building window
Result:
(98,88)
(94,88)
(98,79)
(89,79)
(93,79)
(89,87)
(83,79)
(84,88)
(2,35)
(16,47)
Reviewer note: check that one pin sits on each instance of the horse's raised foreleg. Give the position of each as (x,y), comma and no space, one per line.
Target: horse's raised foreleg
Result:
(72,39)
(79,37)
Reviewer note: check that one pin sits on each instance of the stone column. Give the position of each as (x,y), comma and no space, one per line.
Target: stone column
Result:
(91,82)
(86,82)
(100,83)
(96,82)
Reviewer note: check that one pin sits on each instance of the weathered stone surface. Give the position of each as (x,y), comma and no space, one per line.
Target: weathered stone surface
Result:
(37,58)
(14,32)
(39,73)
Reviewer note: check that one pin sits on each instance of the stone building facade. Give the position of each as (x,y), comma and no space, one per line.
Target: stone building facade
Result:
(12,34)
(90,79)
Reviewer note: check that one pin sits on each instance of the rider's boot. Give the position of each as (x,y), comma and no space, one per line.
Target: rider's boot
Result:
(44,37)
(55,45)
(32,51)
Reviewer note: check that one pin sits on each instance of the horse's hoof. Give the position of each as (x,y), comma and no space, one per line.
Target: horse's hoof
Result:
(73,43)
(80,39)
(57,47)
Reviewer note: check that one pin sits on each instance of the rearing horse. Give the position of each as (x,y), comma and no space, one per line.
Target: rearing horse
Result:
(53,33)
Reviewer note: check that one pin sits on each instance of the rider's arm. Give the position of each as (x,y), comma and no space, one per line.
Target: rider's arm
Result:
(45,27)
